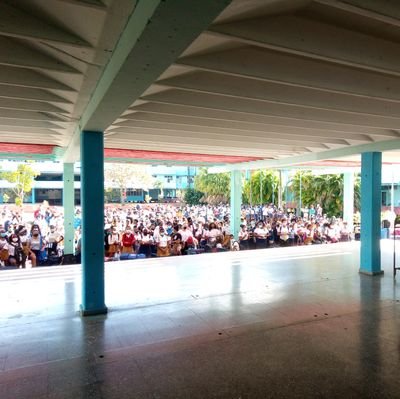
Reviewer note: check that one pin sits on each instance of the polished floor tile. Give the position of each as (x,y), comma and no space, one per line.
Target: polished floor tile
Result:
(280,323)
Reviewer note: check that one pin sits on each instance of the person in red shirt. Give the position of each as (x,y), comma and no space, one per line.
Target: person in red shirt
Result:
(128,241)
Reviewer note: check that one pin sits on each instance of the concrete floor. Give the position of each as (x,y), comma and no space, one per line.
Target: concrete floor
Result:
(278,323)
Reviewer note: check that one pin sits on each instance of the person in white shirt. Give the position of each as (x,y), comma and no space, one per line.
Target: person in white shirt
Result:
(261,235)
(243,237)
(163,243)
(146,243)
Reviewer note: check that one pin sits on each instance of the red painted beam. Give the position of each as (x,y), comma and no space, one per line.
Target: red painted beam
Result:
(175,156)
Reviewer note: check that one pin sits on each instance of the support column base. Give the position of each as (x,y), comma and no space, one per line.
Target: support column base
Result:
(368,273)
(92,312)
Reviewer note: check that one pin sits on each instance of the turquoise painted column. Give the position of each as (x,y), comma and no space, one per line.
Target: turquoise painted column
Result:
(348,198)
(33,199)
(236,201)
(371,170)
(92,201)
(69,208)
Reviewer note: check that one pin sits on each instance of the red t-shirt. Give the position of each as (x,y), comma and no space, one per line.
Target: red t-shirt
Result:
(127,241)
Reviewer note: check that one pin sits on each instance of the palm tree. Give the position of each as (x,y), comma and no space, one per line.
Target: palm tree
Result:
(216,187)
(262,187)
(326,190)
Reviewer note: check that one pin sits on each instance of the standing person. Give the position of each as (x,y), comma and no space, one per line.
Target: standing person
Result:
(37,244)
(128,241)
(163,242)
(113,242)
(26,249)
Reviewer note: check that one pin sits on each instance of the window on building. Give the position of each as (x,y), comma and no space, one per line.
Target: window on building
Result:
(136,192)
(168,178)
(384,198)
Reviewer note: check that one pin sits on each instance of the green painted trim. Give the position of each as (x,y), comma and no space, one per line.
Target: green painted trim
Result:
(137,23)
(23,156)
(156,33)
(381,146)
(69,208)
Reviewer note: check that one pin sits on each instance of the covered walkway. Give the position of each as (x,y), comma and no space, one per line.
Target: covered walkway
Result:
(291,322)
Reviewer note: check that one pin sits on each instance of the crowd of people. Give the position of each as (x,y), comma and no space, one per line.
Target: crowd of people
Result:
(165,230)
(147,230)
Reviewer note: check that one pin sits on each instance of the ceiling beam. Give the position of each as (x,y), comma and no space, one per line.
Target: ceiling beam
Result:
(219,139)
(269,66)
(249,106)
(156,136)
(156,33)
(24,77)
(316,156)
(96,4)
(383,7)
(28,105)
(206,82)
(29,115)
(172,129)
(28,93)
(14,53)
(378,11)
(218,115)
(181,122)
(29,123)
(317,40)
(29,130)
(15,22)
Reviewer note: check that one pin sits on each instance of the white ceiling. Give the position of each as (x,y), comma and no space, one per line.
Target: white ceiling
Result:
(268,79)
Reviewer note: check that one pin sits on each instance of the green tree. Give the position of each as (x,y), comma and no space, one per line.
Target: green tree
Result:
(262,187)
(123,176)
(193,197)
(326,190)
(22,180)
(6,198)
(158,184)
(216,187)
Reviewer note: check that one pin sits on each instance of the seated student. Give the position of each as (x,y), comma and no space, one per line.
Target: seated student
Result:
(331,234)
(319,238)
(162,242)
(345,232)
(292,235)
(261,235)
(146,243)
(283,233)
(113,242)
(309,234)
(235,246)
(15,251)
(243,237)
(226,241)
(127,241)
(176,241)
(4,254)
(53,239)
